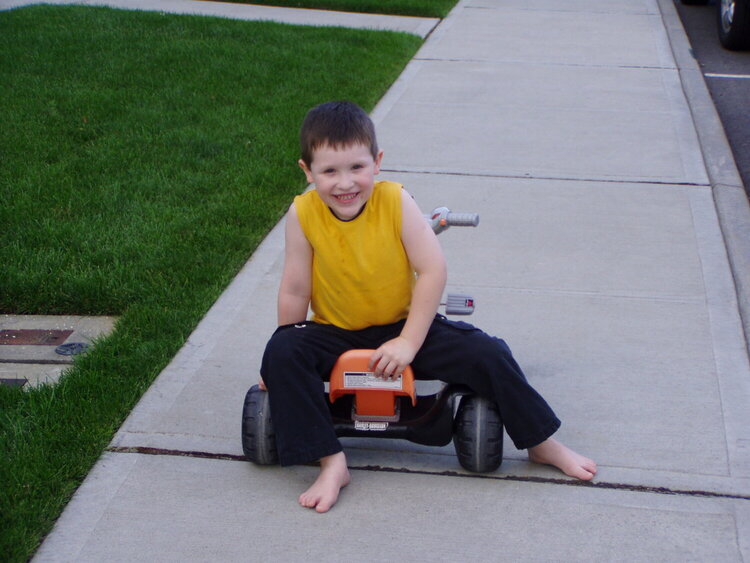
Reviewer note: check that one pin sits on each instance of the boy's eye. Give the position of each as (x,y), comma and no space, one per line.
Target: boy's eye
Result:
(357,167)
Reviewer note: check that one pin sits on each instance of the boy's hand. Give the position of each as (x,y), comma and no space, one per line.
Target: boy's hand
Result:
(392,358)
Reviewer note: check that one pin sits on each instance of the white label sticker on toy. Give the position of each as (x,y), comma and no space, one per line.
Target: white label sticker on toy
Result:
(373,426)
(370,380)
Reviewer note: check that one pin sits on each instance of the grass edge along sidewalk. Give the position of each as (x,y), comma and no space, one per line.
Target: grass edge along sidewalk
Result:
(144,157)
(424,8)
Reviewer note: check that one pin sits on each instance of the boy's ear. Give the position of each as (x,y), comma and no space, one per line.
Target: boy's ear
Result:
(306,170)
(378,160)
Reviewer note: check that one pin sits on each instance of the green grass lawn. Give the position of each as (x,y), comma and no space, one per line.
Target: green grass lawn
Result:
(425,8)
(142,159)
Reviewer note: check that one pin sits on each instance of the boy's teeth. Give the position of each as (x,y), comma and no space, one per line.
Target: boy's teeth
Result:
(347,197)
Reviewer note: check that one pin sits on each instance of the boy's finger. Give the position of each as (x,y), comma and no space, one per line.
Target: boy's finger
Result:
(382,368)
(374,359)
(393,369)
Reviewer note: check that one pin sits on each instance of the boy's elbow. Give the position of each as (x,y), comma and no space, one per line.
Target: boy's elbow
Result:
(437,271)
(443,275)
(295,295)
(441,267)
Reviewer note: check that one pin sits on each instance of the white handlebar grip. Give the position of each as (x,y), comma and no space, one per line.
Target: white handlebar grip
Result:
(462,219)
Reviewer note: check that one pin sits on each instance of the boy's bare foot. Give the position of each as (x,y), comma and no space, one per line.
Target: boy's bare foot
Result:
(334,476)
(552,452)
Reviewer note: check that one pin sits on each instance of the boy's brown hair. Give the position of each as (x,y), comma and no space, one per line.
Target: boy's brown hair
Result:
(338,125)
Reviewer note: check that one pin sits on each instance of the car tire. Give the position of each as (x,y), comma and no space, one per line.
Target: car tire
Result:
(258,437)
(734,23)
(478,434)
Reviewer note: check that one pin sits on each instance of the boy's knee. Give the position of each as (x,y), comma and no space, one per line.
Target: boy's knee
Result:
(484,346)
(502,347)
(279,349)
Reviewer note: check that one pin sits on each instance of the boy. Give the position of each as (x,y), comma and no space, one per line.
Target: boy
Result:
(362,257)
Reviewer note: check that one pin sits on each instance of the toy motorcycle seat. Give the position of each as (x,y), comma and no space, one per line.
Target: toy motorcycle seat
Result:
(375,398)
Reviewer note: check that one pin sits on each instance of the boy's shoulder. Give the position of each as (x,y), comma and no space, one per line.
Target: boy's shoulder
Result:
(388,186)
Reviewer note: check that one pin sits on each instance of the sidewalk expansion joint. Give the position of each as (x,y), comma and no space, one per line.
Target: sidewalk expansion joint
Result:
(649,297)
(35,361)
(535,63)
(554,481)
(528,176)
(517,478)
(554,11)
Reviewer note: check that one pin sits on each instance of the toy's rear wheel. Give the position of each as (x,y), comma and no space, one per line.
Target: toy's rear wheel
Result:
(258,437)
(478,434)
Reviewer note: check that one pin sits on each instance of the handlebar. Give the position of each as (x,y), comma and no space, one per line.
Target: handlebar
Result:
(441,218)
(463,219)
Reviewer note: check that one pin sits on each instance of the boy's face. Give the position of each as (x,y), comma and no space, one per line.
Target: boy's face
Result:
(343,177)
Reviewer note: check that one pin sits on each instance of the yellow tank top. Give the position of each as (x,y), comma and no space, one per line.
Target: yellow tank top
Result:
(361,275)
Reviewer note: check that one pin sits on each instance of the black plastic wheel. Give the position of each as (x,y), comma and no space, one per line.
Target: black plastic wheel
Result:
(478,434)
(258,437)
(734,23)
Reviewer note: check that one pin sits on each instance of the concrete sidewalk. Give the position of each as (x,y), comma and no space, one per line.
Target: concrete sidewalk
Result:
(600,258)
(417,26)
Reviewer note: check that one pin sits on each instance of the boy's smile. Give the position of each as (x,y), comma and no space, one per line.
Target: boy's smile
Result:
(343,177)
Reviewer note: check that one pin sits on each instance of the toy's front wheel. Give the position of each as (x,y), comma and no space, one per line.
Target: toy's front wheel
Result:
(258,437)
(478,434)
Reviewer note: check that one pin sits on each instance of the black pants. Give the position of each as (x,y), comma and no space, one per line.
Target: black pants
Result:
(298,358)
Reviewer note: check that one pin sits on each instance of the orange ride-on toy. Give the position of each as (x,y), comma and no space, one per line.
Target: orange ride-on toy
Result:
(363,405)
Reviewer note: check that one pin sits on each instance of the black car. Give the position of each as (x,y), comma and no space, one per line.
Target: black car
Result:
(733,17)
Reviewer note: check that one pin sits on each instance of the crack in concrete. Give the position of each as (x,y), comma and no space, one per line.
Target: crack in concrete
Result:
(177,453)
(519,478)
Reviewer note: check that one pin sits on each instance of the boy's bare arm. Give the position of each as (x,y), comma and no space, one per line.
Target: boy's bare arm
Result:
(296,281)
(426,257)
